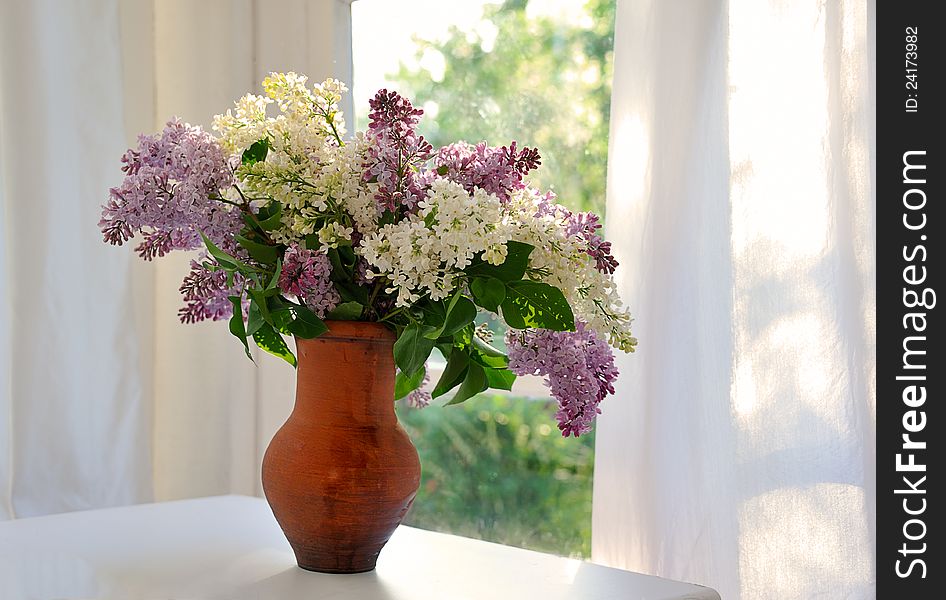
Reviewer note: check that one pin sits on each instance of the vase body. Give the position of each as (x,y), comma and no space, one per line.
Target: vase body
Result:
(341,473)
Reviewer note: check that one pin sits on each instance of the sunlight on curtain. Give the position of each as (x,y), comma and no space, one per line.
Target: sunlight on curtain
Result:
(803,306)
(740,188)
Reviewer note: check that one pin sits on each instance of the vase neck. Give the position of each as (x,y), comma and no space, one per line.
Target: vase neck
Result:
(346,375)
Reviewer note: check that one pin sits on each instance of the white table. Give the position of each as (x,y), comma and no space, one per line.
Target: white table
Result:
(230,547)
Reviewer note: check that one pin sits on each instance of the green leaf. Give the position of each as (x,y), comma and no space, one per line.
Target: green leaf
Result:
(346,311)
(474,383)
(263,253)
(271,219)
(488,292)
(453,373)
(341,276)
(269,340)
(348,257)
(489,362)
(404,385)
(307,324)
(274,282)
(434,311)
(223,259)
(260,300)
(512,269)
(412,349)
(500,379)
(343,267)
(255,319)
(237,327)
(351,292)
(268,210)
(460,312)
(282,320)
(256,153)
(535,304)
(281,312)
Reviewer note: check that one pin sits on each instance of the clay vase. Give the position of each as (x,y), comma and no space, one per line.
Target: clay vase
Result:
(341,473)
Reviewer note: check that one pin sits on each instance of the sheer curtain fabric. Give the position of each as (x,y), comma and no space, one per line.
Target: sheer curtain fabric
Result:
(739,450)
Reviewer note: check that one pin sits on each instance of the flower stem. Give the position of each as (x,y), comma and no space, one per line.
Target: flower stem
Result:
(245,207)
(374,294)
(391,314)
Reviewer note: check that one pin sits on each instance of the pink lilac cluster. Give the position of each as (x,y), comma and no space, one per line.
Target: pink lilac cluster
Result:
(396,157)
(305,275)
(578,368)
(207,295)
(496,170)
(166,196)
(585,226)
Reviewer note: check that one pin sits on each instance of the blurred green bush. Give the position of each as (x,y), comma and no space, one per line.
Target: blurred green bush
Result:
(496,468)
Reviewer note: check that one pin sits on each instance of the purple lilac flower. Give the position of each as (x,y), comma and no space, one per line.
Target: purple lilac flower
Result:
(398,152)
(206,294)
(585,226)
(497,170)
(305,274)
(578,368)
(165,196)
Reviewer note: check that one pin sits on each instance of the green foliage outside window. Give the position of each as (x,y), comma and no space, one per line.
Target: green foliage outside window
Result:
(496,468)
(543,83)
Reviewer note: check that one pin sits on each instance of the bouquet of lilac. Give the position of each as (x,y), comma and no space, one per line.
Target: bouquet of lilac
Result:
(296,225)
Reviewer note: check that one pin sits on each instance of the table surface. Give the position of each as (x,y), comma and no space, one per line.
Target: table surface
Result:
(231,547)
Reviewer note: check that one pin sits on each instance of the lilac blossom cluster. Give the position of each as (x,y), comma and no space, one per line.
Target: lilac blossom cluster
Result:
(585,225)
(166,195)
(306,275)
(413,217)
(497,170)
(397,155)
(207,295)
(578,368)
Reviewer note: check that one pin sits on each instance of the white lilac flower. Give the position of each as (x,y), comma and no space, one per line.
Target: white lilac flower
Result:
(561,258)
(423,252)
(333,234)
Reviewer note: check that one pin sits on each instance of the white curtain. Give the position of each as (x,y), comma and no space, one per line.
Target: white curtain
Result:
(75,414)
(105,398)
(739,451)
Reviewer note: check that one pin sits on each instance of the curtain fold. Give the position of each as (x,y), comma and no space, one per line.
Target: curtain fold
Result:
(74,416)
(739,451)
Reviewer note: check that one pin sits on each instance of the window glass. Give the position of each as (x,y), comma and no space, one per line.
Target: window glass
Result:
(539,73)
